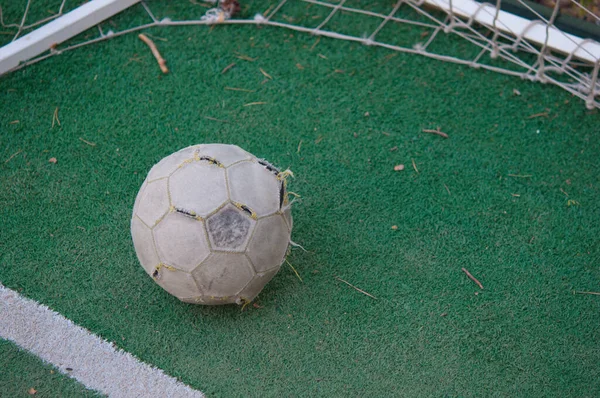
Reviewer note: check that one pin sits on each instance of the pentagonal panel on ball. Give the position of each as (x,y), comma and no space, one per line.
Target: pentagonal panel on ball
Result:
(181,241)
(179,283)
(257,284)
(224,154)
(198,188)
(229,229)
(269,243)
(144,245)
(169,164)
(253,185)
(223,274)
(154,202)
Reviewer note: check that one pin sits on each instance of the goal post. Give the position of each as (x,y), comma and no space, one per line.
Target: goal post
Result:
(556,45)
(59,30)
(535,31)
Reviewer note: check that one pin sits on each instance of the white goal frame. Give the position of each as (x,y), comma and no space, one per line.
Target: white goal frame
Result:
(540,37)
(59,30)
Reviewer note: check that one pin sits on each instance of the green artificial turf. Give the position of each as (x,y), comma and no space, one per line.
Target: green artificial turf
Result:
(513,199)
(25,375)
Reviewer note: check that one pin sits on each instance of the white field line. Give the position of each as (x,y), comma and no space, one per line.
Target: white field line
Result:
(92,361)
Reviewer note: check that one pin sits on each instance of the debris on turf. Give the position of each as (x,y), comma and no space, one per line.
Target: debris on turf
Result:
(215,119)
(135,58)
(268,10)
(244,303)
(315,43)
(299,146)
(399,167)
(541,114)
(14,122)
(52,160)
(225,69)
(255,305)
(594,293)
(87,142)
(472,278)
(355,288)
(245,57)
(77,258)
(294,244)
(393,149)
(437,131)
(55,119)
(161,61)
(394,227)
(265,74)
(415,166)
(299,66)
(388,57)
(516,92)
(229,7)
(239,89)
(294,269)
(12,156)
(563,191)
(322,56)
(255,103)
(157,38)
(32,391)
(447,189)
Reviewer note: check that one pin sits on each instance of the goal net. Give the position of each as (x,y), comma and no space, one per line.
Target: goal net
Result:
(548,41)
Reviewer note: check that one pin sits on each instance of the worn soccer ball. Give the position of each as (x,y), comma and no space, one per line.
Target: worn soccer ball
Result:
(211,224)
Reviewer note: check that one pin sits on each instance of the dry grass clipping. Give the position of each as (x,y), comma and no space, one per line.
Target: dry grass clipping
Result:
(161,61)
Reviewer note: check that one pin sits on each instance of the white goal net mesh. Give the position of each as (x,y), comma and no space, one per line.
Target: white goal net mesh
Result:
(550,41)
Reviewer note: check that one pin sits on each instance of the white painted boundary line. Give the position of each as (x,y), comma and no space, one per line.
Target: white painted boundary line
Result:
(95,363)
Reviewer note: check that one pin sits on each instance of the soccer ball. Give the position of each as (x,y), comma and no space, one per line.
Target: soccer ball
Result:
(211,224)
